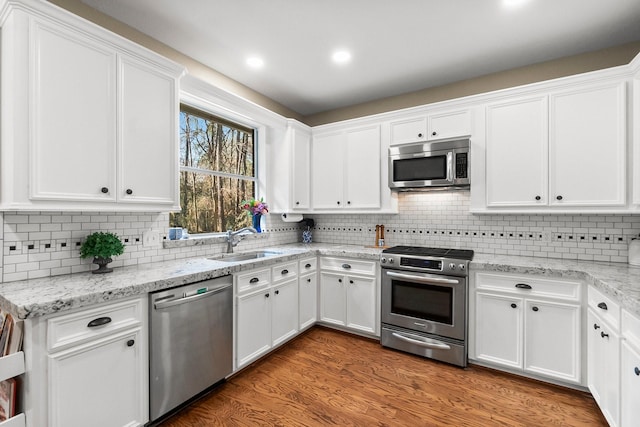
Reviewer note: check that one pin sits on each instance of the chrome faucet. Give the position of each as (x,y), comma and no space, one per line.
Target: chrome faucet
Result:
(232,242)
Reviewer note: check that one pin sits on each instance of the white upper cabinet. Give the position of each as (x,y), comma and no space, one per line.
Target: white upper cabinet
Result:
(300,169)
(517,152)
(90,120)
(562,150)
(587,146)
(436,125)
(347,170)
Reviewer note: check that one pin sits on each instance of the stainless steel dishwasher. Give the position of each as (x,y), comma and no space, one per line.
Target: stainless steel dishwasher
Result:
(190,341)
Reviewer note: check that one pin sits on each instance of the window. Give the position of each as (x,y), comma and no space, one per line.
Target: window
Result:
(217,172)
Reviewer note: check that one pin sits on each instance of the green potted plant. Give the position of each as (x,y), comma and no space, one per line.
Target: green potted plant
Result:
(101,246)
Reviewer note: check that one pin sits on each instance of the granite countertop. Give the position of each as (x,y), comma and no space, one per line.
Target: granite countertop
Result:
(38,297)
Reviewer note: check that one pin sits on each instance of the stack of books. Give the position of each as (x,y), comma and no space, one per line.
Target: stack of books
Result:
(11,335)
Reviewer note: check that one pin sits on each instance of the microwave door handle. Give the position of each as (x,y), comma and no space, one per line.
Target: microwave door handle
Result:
(450,166)
(423,342)
(440,281)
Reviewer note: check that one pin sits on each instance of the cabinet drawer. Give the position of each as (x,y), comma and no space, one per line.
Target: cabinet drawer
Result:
(530,286)
(348,266)
(284,271)
(308,265)
(605,307)
(631,328)
(86,325)
(253,280)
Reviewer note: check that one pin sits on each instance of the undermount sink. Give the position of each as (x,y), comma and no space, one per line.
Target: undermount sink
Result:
(244,256)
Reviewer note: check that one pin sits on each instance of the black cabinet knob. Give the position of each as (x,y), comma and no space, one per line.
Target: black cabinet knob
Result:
(596,326)
(266,295)
(297,203)
(348,202)
(514,305)
(351,281)
(339,280)
(278,292)
(130,343)
(104,190)
(603,335)
(308,280)
(338,202)
(636,370)
(129,191)
(603,306)
(434,133)
(558,197)
(535,308)
(420,135)
(538,197)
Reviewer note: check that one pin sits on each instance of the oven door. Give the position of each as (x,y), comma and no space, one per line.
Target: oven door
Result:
(430,303)
(426,169)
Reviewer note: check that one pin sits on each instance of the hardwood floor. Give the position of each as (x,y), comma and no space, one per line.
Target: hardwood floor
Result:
(325,377)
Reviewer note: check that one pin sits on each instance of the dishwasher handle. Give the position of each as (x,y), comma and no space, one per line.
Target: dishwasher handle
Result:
(186,299)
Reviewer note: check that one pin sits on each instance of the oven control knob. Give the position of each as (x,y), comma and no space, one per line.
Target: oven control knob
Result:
(383,260)
(461,267)
(452,266)
(390,260)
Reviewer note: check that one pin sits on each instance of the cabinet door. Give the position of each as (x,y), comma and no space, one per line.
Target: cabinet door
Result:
(449,124)
(516,153)
(587,146)
(630,385)
(362,168)
(552,340)
(254,326)
(328,172)
(499,328)
(361,303)
(411,130)
(98,384)
(284,311)
(148,135)
(73,120)
(332,298)
(301,174)
(603,366)
(308,289)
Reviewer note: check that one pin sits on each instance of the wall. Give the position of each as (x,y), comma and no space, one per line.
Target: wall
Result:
(442,219)
(41,244)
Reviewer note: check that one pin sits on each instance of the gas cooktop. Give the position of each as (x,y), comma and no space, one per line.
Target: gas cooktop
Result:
(462,254)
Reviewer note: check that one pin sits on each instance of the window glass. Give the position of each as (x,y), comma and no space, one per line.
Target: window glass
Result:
(217,173)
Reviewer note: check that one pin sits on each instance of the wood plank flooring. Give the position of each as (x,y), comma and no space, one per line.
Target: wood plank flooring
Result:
(329,378)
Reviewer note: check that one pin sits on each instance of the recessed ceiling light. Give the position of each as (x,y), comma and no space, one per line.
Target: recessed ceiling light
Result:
(514,3)
(255,62)
(341,57)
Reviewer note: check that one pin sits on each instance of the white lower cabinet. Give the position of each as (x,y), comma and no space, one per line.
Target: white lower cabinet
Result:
(266,310)
(88,367)
(630,370)
(308,292)
(349,294)
(528,324)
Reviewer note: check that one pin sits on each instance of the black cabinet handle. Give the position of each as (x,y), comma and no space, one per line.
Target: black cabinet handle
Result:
(636,370)
(130,343)
(104,190)
(603,306)
(596,326)
(129,191)
(254,280)
(99,322)
(538,197)
(283,272)
(347,266)
(558,197)
(603,335)
(307,266)
(513,305)
(523,286)
(534,308)
(277,292)
(266,295)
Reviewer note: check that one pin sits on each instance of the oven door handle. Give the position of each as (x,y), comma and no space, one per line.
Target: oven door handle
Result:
(433,280)
(423,342)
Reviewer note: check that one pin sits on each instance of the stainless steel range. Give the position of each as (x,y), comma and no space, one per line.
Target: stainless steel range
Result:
(424,302)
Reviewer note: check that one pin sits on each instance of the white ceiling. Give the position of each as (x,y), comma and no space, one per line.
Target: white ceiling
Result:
(397,46)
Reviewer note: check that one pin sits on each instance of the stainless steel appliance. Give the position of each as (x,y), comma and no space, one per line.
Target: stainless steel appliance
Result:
(430,165)
(424,301)
(191,341)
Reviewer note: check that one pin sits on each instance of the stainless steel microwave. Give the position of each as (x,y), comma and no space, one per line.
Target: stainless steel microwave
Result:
(430,165)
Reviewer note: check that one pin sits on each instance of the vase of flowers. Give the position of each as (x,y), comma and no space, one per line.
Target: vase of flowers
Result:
(256,208)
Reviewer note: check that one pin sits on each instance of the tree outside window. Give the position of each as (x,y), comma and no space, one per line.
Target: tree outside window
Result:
(217,172)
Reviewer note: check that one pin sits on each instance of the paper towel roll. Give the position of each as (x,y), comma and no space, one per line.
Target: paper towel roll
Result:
(288,217)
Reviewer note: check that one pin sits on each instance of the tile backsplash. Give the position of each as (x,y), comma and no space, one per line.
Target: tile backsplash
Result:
(40,244)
